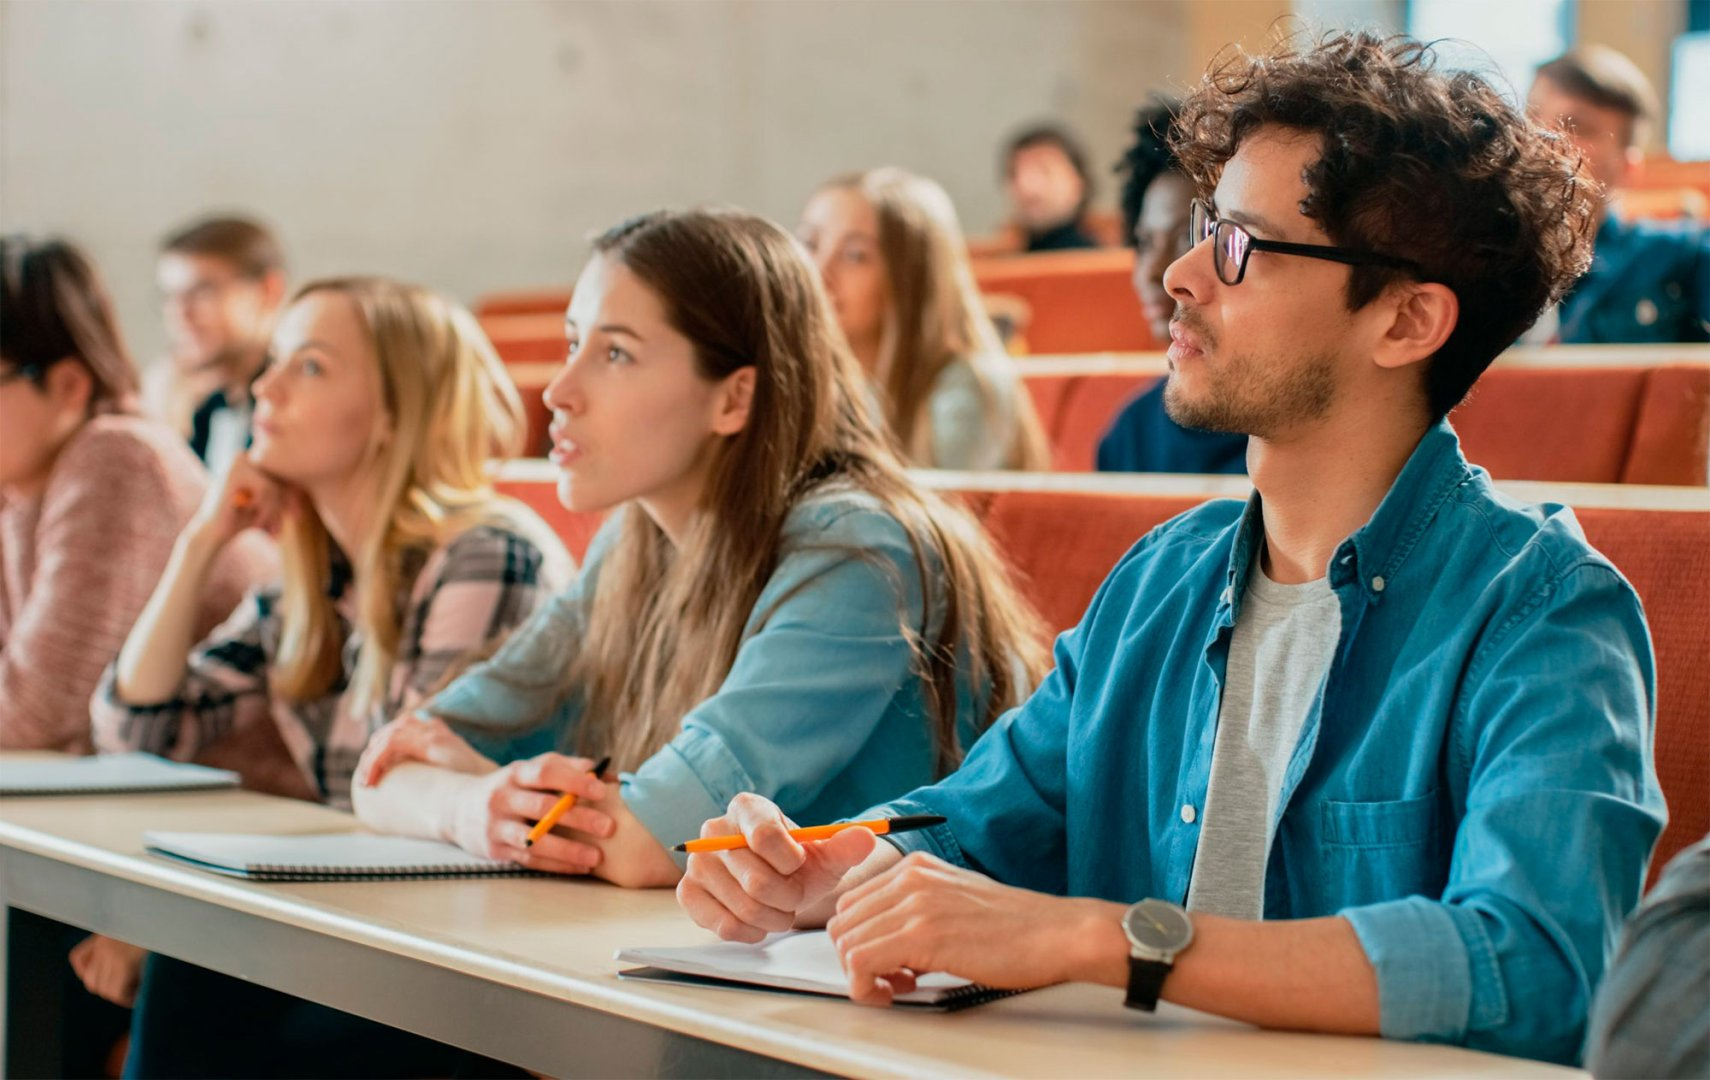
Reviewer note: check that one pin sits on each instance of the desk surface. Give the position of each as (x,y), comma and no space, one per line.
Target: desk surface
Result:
(555,938)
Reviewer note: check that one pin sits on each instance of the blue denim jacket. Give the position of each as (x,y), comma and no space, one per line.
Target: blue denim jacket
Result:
(822,711)
(1474,790)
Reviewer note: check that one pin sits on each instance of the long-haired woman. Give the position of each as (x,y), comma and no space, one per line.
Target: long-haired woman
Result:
(774,605)
(891,253)
(374,425)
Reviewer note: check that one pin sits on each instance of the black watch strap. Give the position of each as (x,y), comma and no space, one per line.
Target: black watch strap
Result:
(1145,983)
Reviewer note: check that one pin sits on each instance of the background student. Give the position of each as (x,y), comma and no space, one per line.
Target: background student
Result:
(774,606)
(1649,280)
(891,254)
(1156,196)
(222,283)
(374,424)
(1049,188)
(91,496)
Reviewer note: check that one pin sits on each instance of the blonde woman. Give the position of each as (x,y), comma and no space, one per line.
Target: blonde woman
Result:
(374,424)
(891,253)
(775,605)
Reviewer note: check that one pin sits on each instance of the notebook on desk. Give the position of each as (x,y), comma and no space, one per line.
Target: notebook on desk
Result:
(803,962)
(109,774)
(323,856)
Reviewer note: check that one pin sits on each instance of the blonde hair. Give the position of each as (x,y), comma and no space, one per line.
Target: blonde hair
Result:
(451,408)
(666,622)
(935,316)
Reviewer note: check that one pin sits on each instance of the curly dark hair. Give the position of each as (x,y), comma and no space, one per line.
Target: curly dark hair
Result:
(1432,166)
(1147,159)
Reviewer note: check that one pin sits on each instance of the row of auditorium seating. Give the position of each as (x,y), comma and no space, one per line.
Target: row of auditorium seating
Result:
(1063,533)
(1639,415)
(1075,302)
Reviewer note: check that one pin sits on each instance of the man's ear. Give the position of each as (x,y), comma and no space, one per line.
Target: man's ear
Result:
(1423,315)
(70,385)
(273,289)
(735,399)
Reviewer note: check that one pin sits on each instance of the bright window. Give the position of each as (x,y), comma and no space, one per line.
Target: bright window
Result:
(1513,36)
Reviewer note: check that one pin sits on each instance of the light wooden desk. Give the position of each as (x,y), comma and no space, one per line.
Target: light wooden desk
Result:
(522,969)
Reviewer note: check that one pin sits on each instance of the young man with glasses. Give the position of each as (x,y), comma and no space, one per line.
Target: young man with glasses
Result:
(222,283)
(1369,754)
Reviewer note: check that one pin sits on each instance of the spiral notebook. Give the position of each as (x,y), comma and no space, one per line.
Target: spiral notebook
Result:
(803,962)
(322,857)
(109,774)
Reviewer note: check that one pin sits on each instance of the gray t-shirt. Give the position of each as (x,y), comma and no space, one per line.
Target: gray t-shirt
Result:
(1284,640)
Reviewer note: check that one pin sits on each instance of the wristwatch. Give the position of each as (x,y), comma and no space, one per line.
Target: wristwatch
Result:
(1158,932)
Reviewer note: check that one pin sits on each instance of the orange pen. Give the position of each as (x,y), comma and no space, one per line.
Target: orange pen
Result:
(561,807)
(880,826)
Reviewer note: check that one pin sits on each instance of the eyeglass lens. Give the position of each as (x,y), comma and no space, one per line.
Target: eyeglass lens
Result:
(1229,242)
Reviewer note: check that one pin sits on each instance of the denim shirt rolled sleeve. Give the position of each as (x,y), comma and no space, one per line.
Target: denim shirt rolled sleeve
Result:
(1474,789)
(822,711)
(1557,799)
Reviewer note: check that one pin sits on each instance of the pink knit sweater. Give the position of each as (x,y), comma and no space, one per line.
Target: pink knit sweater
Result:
(78,563)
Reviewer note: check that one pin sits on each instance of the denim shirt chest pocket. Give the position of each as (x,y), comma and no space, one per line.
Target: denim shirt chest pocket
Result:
(1374,850)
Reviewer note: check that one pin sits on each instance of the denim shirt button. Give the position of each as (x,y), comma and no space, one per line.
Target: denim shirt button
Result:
(1188,814)
(1377,584)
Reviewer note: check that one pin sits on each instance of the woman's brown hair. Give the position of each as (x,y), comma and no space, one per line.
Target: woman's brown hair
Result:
(666,622)
(935,316)
(54,306)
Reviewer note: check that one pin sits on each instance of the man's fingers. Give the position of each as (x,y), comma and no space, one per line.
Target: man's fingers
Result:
(737,900)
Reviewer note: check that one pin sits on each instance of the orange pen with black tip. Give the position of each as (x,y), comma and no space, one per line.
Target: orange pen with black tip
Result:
(880,826)
(561,807)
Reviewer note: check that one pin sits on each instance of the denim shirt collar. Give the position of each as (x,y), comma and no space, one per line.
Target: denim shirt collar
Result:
(1375,553)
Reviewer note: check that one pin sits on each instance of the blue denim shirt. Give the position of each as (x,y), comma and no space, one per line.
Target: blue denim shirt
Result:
(1474,790)
(822,712)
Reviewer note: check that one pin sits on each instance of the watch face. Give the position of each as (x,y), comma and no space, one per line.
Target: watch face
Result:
(1158,927)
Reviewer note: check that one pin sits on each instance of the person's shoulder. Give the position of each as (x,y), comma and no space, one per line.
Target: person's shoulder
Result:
(1534,545)
(132,457)
(840,513)
(498,552)
(1684,238)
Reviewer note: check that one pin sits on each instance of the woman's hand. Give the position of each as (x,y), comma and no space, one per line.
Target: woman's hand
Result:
(495,814)
(245,498)
(418,738)
(109,969)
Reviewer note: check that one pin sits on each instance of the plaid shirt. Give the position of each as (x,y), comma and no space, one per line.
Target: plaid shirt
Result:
(466,595)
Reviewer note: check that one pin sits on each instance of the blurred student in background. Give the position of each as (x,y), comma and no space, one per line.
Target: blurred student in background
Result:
(91,496)
(1049,188)
(1649,280)
(1156,199)
(222,282)
(890,251)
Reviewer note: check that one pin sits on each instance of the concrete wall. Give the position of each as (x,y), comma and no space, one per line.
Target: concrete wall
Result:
(472,145)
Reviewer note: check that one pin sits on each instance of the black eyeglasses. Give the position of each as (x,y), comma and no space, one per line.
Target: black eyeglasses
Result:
(32,372)
(1232,243)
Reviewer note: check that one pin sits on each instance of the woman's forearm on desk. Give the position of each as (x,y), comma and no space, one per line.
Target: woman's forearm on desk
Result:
(414,800)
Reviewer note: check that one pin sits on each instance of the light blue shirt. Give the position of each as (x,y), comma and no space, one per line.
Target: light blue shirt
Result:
(1473,789)
(823,711)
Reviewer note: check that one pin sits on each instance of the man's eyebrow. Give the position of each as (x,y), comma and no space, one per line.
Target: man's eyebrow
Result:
(1252,221)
